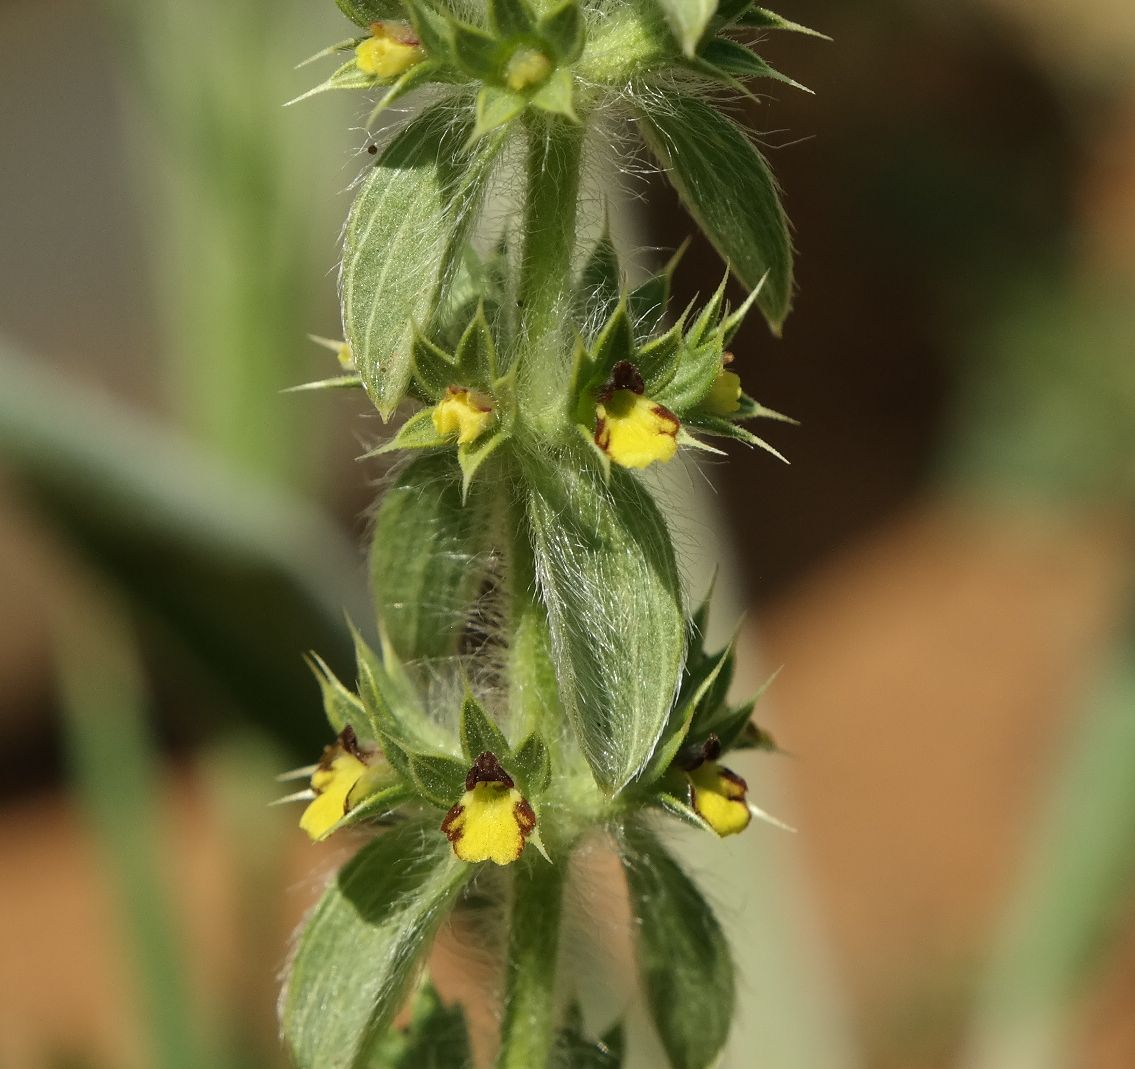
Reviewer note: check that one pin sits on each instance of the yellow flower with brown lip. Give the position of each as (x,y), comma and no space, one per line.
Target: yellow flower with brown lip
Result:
(492,820)
(341,767)
(631,429)
(464,413)
(391,49)
(717,794)
(724,397)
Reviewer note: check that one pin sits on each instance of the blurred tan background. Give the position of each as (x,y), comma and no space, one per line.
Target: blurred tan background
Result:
(945,571)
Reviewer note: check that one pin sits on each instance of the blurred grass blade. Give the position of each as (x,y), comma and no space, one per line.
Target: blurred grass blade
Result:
(241,235)
(115,778)
(1079,880)
(245,577)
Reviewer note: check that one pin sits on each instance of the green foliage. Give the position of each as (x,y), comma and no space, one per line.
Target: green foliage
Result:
(726,185)
(404,241)
(428,558)
(608,578)
(358,951)
(547,586)
(683,957)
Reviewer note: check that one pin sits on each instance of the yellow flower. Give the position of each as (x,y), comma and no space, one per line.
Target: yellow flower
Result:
(631,429)
(724,397)
(718,796)
(492,819)
(391,50)
(525,68)
(465,413)
(332,781)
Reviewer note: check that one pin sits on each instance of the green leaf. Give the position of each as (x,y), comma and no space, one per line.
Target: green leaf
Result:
(441,779)
(648,301)
(574,1050)
(533,764)
(606,570)
(600,283)
(479,734)
(418,432)
(476,352)
(726,185)
(427,559)
(342,706)
(557,95)
(470,457)
(510,18)
(437,1037)
(364,12)
(737,61)
(404,239)
(478,53)
(763,19)
(683,957)
(374,807)
(418,75)
(433,29)
(339,382)
(725,428)
(688,20)
(348,76)
(682,718)
(563,29)
(360,948)
(496,107)
(434,369)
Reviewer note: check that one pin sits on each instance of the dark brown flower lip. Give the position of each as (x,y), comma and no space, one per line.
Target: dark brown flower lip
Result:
(624,376)
(487,769)
(696,755)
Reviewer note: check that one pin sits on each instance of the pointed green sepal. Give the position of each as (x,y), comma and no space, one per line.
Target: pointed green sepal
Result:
(563,29)
(479,734)
(557,95)
(495,107)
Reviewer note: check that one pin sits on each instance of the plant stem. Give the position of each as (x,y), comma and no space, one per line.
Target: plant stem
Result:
(555,148)
(529,1019)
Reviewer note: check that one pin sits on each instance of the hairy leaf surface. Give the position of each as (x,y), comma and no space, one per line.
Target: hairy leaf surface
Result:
(727,186)
(360,948)
(404,239)
(606,568)
(683,957)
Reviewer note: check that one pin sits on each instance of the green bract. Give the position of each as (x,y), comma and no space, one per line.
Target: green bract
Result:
(535,681)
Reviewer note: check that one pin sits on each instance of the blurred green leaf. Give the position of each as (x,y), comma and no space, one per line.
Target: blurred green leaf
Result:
(688,19)
(364,12)
(605,567)
(358,951)
(683,957)
(1076,888)
(244,577)
(405,237)
(727,186)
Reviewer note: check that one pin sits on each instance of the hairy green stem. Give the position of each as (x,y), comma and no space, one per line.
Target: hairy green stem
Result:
(529,1020)
(555,149)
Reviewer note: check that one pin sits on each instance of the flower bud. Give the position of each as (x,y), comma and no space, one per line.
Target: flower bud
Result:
(391,50)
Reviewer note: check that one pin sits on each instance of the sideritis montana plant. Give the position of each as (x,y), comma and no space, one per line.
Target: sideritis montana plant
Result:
(538,679)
